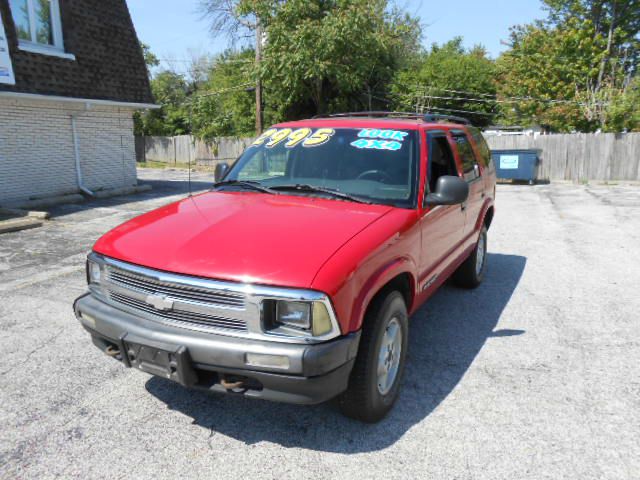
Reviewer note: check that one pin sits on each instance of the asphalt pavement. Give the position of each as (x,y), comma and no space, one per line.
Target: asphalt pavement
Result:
(534,375)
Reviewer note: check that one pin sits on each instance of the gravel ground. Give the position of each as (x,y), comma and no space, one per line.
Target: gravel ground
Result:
(533,375)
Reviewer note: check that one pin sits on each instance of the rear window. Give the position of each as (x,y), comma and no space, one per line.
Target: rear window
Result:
(466,153)
(377,165)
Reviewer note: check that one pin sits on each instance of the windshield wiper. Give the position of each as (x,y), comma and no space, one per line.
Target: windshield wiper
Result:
(310,188)
(244,184)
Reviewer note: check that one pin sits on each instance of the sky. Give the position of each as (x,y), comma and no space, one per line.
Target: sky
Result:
(173,28)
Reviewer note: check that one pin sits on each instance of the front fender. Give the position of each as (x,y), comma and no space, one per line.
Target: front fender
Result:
(359,269)
(377,281)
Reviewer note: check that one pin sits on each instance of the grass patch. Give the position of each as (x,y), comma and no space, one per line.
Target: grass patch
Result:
(180,166)
(161,165)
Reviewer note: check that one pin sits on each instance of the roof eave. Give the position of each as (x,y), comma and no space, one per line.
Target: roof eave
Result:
(86,101)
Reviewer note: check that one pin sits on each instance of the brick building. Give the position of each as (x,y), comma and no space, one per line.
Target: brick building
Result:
(72,74)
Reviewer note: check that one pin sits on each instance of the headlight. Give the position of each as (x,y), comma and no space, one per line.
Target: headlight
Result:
(94,272)
(294,314)
(306,318)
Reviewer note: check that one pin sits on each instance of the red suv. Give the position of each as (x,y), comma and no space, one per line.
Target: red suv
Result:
(293,279)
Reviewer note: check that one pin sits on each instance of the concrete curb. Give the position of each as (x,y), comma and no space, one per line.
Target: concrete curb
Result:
(30,205)
(116,192)
(16,224)
(49,202)
(25,213)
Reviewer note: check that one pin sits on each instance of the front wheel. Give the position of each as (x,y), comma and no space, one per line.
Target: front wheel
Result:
(471,273)
(376,375)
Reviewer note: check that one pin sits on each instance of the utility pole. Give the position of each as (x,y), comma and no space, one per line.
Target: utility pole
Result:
(259,119)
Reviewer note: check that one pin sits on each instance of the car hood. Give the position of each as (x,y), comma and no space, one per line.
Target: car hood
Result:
(241,236)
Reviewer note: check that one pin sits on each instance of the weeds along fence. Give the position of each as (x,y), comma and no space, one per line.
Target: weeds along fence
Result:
(573,157)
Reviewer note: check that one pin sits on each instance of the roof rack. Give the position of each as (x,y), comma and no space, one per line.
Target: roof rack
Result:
(427,117)
(435,117)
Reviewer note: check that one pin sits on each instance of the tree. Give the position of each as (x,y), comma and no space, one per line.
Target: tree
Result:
(545,76)
(616,20)
(324,56)
(624,111)
(223,105)
(150,59)
(238,18)
(449,79)
(170,90)
(573,67)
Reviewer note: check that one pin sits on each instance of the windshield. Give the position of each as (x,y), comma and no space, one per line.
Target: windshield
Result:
(374,165)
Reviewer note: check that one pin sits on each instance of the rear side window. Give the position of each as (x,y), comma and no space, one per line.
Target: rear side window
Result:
(466,154)
(485,152)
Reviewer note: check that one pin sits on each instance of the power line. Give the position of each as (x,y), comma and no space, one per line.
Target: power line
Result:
(213,62)
(486,114)
(474,96)
(224,90)
(440,108)
(479,100)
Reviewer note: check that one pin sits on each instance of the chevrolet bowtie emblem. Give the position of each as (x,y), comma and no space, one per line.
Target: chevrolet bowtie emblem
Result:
(160,302)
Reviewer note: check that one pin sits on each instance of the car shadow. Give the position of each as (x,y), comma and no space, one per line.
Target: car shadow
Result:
(446,334)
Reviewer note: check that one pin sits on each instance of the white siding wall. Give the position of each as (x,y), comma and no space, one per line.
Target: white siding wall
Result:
(37,155)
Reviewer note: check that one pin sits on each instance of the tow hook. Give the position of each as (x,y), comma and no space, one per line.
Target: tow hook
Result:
(232,386)
(112,351)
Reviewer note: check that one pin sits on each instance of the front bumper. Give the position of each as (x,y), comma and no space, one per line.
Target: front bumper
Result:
(315,373)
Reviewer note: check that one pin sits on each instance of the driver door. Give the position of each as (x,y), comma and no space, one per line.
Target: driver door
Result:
(442,226)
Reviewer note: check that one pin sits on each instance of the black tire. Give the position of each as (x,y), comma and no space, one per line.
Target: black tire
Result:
(364,400)
(469,274)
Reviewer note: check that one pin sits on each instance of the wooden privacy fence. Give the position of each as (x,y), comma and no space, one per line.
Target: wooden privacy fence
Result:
(575,157)
(581,156)
(185,149)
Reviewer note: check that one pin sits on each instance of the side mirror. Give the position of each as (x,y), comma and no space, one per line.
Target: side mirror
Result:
(220,171)
(450,190)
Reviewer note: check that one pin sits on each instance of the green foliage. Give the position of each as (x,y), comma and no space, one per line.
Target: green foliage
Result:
(171,92)
(624,112)
(577,70)
(585,55)
(433,80)
(150,59)
(225,105)
(326,56)
(623,15)
(549,64)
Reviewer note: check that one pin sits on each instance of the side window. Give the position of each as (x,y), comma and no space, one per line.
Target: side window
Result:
(466,154)
(441,161)
(485,152)
(265,164)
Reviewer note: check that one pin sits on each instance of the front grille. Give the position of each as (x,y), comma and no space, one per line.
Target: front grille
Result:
(176,291)
(180,316)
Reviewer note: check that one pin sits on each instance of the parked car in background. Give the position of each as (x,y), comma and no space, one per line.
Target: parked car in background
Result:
(295,277)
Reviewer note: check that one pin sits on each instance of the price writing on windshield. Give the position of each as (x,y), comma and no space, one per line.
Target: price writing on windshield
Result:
(374,138)
(383,134)
(377,144)
(291,138)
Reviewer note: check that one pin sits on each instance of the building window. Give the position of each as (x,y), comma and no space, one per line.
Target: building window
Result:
(38,25)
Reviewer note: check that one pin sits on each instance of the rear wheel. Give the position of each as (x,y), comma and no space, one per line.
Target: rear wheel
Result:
(471,273)
(376,375)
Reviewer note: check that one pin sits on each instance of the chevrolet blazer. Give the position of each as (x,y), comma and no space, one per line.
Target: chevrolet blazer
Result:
(294,278)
